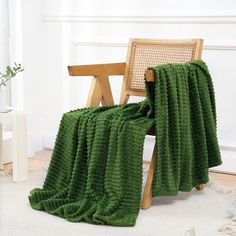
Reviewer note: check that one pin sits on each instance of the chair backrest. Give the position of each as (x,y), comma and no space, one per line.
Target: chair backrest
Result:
(143,53)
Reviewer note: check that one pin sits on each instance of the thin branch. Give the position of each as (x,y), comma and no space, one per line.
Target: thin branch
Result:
(10,73)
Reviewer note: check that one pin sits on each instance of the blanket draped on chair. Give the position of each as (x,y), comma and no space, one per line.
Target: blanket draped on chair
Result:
(95,173)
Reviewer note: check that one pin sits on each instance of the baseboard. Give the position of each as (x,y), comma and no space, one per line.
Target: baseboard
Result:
(228,153)
(228,162)
(34,145)
(48,142)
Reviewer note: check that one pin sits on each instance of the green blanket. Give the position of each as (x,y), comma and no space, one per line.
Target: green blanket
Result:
(95,173)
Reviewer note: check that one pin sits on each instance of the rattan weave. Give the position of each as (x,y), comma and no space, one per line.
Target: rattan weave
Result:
(143,55)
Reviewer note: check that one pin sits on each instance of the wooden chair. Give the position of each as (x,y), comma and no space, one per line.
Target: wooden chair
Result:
(142,53)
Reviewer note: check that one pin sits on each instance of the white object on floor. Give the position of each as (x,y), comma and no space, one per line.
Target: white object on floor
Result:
(15,143)
(205,211)
(232,209)
(229,229)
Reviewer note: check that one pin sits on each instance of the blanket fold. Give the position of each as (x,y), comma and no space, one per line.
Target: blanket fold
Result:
(95,173)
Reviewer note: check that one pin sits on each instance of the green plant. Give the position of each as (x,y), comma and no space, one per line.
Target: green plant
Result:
(9,73)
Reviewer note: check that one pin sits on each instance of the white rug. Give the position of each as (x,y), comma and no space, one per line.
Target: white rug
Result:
(204,211)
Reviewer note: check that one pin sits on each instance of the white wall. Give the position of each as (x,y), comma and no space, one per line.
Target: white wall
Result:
(4,48)
(58,33)
(35,78)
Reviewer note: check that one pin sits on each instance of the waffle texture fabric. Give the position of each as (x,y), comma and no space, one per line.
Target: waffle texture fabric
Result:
(95,173)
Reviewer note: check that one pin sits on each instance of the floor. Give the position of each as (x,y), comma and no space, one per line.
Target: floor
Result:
(42,159)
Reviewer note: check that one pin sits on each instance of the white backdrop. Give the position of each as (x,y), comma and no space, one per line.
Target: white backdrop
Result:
(4,44)
(59,33)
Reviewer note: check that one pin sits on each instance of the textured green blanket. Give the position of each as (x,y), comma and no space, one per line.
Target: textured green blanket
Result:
(95,174)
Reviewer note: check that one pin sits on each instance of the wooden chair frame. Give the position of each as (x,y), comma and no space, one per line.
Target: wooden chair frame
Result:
(100,90)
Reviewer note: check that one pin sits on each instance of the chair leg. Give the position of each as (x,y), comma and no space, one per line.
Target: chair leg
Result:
(95,94)
(199,187)
(147,194)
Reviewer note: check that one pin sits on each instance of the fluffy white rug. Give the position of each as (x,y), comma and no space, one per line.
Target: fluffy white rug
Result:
(203,212)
